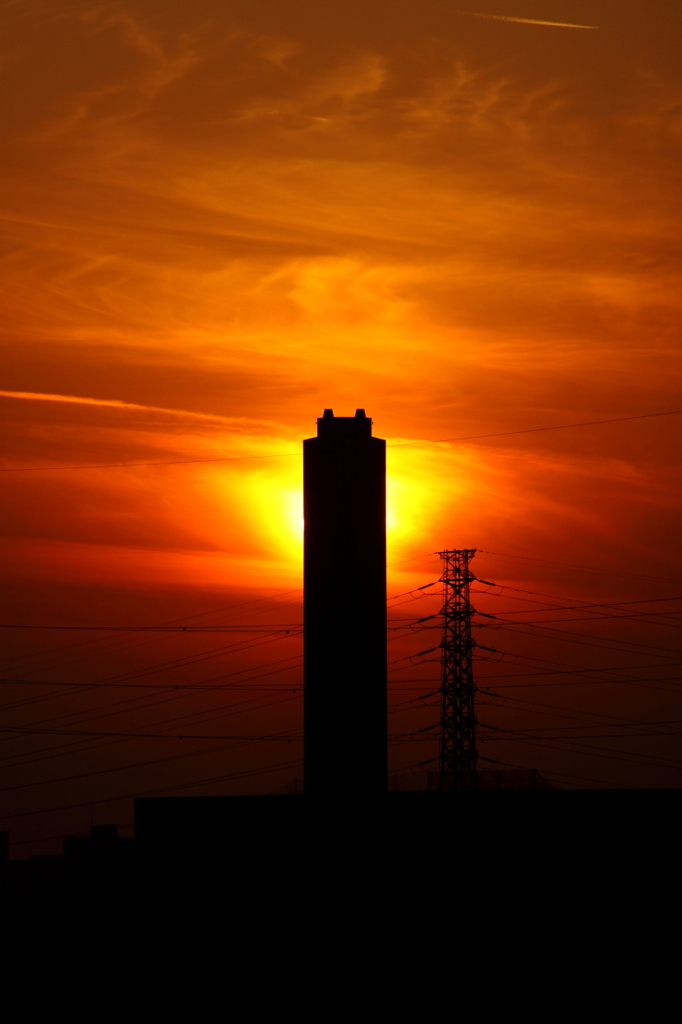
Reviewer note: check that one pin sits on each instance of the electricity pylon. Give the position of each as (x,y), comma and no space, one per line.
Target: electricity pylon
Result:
(458,719)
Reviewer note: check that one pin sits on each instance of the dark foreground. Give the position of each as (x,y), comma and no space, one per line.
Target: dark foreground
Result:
(278,851)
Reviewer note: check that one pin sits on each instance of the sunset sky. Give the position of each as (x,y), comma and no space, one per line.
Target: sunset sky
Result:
(221,218)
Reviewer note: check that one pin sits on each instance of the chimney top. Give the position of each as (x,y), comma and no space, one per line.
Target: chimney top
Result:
(330,425)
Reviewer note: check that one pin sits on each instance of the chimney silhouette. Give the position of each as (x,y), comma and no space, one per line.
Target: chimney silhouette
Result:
(344,487)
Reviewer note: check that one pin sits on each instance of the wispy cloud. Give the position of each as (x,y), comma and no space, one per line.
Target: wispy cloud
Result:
(113,403)
(268,227)
(525,21)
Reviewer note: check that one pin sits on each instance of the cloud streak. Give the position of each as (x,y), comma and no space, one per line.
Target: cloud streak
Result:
(525,21)
(114,403)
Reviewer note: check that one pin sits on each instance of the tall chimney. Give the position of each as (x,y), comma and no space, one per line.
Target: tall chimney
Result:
(344,487)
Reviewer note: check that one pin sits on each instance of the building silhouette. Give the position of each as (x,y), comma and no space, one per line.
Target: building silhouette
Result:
(344,571)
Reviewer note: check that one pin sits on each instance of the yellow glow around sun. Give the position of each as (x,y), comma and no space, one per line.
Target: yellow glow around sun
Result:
(275,499)
(408,509)
(264,506)
(418,492)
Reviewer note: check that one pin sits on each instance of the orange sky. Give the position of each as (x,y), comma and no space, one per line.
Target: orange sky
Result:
(221,219)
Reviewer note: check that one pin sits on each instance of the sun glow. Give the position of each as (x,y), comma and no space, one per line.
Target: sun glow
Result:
(416,506)
(264,506)
(273,500)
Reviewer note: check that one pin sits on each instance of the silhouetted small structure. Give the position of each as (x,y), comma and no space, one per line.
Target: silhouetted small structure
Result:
(505,780)
(512,779)
(96,869)
(102,846)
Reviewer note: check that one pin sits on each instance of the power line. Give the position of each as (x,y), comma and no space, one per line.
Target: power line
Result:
(62,750)
(294,628)
(107,641)
(101,642)
(618,722)
(578,747)
(577,669)
(117,679)
(191,720)
(94,647)
(588,749)
(156,734)
(98,715)
(162,789)
(643,683)
(413,595)
(576,567)
(132,465)
(562,775)
(118,704)
(241,741)
(631,617)
(578,606)
(169,687)
(196,687)
(572,669)
(291,455)
(165,688)
(212,717)
(181,662)
(551,710)
(286,627)
(587,642)
(162,687)
(76,748)
(135,735)
(188,660)
(535,430)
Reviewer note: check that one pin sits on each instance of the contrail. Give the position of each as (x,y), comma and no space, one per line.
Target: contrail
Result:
(525,21)
(35,396)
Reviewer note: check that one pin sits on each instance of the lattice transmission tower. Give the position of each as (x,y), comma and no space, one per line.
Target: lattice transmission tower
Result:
(458,719)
